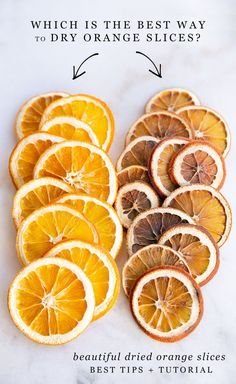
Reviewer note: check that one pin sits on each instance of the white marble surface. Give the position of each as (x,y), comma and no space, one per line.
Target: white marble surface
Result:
(121,78)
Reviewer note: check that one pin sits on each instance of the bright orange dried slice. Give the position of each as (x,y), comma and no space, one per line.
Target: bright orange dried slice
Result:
(49,225)
(197,247)
(208,125)
(85,167)
(198,163)
(36,194)
(171,100)
(152,256)
(137,152)
(159,164)
(207,207)
(131,174)
(134,198)
(51,301)
(87,109)
(30,114)
(99,267)
(160,125)
(148,226)
(102,216)
(167,304)
(26,154)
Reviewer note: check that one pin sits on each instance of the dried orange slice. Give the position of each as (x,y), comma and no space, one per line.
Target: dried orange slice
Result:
(148,226)
(171,100)
(49,225)
(159,125)
(206,206)
(167,304)
(197,247)
(87,109)
(137,152)
(85,167)
(160,162)
(131,174)
(198,163)
(51,301)
(152,256)
(134,198)
(99,267)
(208,125)
(102,216)
(26,153)
(36,194)
(30,114)
(71,129)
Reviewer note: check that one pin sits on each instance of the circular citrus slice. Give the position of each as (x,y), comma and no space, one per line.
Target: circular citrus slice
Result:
(51,301)
(171,100)
(87,109)
(148,226)
(197,247)
(160,162)
(26,153)
(36,194)
(167,304)
(159,125)
(49,225)
(137,152)
(131,174)
(102,216)
(208,125)
(99,267)
(71,129)
(30,114)
(198,163)
(134,198)
(207,207)
(86,167)
(152,256)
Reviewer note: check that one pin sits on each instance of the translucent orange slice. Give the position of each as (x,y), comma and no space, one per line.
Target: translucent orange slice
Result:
(171,100)
(131,174)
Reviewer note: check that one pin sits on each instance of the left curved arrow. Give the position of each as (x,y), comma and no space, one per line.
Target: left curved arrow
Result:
(76,73)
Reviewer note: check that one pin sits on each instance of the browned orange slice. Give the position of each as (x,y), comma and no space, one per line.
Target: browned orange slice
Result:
(131,174)
(171,100)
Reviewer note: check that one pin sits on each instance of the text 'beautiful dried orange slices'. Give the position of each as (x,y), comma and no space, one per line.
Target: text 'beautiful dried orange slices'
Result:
(171,100)
(167,304)
(51,301)
(87,109)
(131,174)
(30,114)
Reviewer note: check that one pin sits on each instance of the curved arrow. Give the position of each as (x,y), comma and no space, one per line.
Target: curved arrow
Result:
(158,71)
(75,71)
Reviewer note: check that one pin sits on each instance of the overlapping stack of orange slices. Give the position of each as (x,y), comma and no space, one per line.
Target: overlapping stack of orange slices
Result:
(169,176)
(68,233)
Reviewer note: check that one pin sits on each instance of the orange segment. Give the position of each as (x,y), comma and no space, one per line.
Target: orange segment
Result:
(171,100)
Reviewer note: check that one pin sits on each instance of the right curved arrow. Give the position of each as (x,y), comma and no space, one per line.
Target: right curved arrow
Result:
(157,71)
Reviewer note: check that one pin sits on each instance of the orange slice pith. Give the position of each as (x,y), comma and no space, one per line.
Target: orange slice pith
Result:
(26,153)
(171,100)
(208,125)
(206,206)
(160,162)
(49,225)
(198,163)
(102,216)
(148,226)
(159,125)
(137,152)
(167,304)
(87,109)
(36,194)
(152,256)
(51,301)
(30,114)
(131,174)
(197,247)
(86,167)
(98,266)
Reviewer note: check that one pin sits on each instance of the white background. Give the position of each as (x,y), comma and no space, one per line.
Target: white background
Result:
(121,78)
